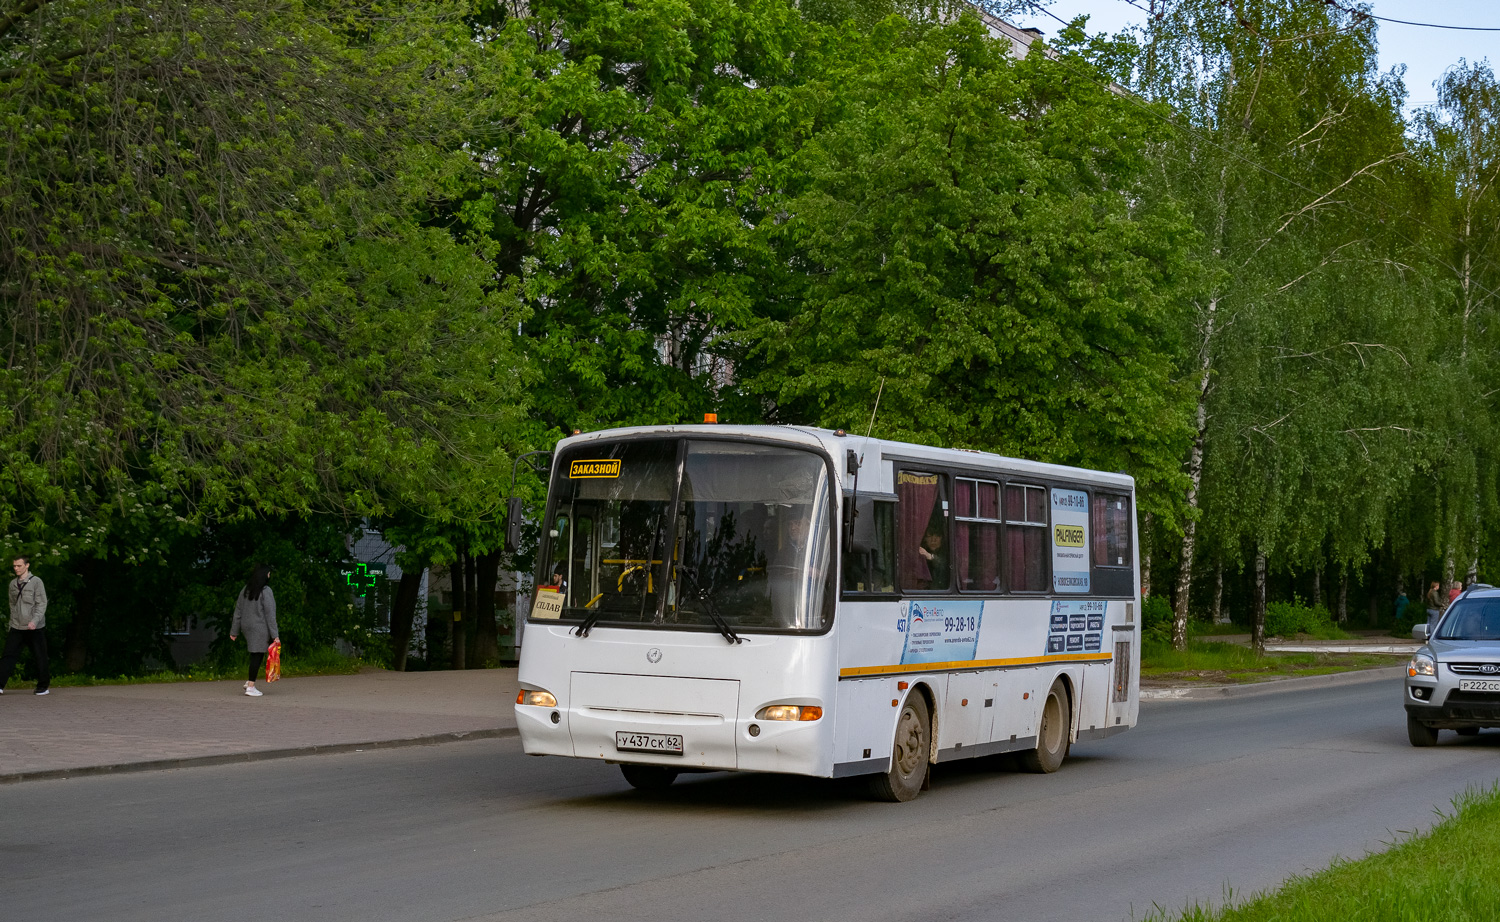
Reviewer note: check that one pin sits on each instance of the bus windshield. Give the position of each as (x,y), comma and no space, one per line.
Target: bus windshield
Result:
(688,534)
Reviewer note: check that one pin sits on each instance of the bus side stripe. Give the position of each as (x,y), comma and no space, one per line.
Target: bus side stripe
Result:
(853,672)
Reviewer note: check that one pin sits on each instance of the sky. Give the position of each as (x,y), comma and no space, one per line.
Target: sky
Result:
(1425,52)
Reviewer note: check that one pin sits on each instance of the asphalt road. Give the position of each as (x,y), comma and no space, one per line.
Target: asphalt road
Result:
(1203,797)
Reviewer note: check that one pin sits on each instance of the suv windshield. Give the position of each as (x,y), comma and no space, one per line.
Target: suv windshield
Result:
(681,533)
(1471,619)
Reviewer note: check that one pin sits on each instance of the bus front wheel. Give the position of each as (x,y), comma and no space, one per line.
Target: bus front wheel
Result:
(648,777)
(1052,734)
(909,754)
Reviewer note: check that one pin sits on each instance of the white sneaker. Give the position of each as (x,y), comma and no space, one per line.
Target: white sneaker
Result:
(253,692)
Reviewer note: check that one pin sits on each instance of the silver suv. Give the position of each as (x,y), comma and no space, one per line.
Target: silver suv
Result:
(1453,682)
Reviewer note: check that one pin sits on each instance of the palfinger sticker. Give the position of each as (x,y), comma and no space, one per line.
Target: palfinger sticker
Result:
(1070,538)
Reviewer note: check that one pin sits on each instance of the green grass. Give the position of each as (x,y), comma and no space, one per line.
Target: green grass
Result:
(1326,632)
(324,661)
(1211,629)
(1448,874)
(1205,660)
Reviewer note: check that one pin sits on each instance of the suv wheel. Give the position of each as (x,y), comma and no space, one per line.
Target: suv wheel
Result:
(1419,733)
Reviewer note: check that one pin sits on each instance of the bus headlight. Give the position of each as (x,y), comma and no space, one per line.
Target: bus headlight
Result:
(789,712)
(1421,664)
(539,699)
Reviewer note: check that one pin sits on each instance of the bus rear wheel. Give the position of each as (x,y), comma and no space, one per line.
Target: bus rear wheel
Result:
(909,754)
(648,777)
(1052,735)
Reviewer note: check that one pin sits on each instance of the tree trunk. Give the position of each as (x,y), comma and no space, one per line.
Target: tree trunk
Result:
(1344,597)
(403,609)
(1195,480)
(486,634)
(1448,573)
(1219,594)
(1258,628)
(459,576)
(1145,551)
(1317,593)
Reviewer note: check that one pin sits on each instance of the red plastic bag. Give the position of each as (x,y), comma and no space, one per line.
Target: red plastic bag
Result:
(273,661)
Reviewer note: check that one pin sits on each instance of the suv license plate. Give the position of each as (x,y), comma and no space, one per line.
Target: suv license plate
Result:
(1489,685)
(669,744)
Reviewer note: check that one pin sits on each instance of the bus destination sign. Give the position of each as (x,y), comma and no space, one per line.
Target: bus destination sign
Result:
(590,470)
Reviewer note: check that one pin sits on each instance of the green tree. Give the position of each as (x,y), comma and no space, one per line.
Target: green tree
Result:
(226,292)
(1286,150)
(970,241)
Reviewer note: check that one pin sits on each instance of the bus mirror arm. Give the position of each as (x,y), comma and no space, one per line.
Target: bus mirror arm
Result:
(514,508)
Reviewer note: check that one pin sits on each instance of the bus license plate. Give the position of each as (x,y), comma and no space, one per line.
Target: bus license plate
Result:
(1489,685)
(665,743)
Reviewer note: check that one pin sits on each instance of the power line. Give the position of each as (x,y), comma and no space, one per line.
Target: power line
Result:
(1361,14)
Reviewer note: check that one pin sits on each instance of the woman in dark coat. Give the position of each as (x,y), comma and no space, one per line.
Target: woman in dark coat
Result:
(255,614)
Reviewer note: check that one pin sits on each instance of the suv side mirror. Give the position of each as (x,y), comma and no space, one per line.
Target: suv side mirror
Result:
(1419,632)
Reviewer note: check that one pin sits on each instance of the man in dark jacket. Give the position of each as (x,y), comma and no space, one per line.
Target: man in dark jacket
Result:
(28,617)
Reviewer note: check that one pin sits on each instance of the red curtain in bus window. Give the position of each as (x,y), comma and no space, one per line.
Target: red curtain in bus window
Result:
(963,532)
(1015,541)
(1096,530)
(918,495)
(988,546)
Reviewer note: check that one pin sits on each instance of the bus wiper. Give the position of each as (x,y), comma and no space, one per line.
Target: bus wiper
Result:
(587,624)
(706,597)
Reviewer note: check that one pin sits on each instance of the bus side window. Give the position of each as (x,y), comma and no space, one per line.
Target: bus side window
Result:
(870,558)
(1111,530)
(976,529)
(922,531)
(1026,537)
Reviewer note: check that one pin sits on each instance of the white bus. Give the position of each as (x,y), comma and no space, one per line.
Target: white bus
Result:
(784,599)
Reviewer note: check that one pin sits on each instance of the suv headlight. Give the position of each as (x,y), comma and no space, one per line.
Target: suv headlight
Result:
(1421,664)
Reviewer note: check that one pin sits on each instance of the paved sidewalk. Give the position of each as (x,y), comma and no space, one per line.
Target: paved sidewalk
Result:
(108,728)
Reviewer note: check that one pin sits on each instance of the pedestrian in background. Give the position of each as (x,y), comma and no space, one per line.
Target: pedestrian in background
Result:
(1434,603)
(28,617)
(1453,590)
(1401,602)
(255,614)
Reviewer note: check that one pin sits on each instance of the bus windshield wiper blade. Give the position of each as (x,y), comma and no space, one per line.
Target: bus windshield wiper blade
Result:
(711,609)
(587,624)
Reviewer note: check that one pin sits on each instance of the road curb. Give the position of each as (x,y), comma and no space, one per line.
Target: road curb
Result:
(434,739)
(1300,683)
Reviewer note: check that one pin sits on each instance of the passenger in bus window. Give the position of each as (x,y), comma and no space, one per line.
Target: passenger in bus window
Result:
(935,558)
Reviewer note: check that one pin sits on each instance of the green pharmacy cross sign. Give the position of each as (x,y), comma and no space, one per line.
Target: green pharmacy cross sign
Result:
(363,577)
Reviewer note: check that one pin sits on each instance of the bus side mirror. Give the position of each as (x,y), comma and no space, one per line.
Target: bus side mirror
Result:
(513,523)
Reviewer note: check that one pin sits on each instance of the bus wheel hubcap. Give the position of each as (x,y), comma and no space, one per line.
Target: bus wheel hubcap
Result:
(908,741)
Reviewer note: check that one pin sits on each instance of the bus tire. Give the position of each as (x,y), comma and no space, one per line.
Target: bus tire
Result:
(648,777)
(1052,733)
(1419,733)
(909,754)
